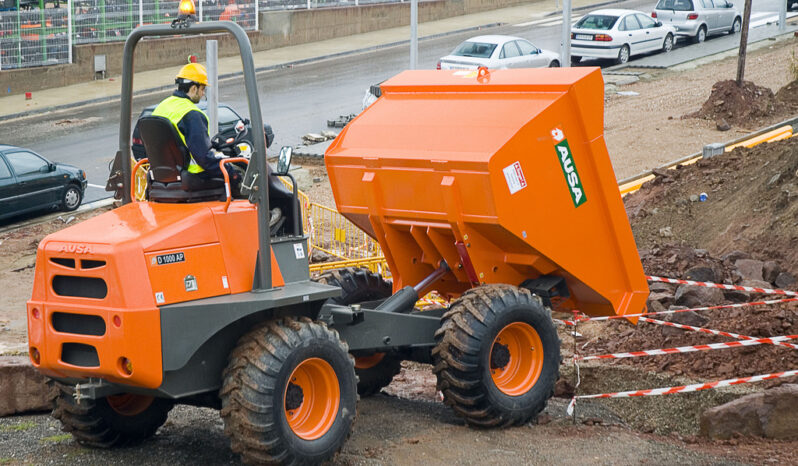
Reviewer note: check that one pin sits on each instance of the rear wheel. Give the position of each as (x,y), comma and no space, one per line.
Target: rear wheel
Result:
(497,356)
(374,371)
(701,35)
(667,44)
(575,59)
(111,421)
(554,64)
(623,55)
(289,394)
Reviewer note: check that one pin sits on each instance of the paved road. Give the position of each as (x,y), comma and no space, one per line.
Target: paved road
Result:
(301,99)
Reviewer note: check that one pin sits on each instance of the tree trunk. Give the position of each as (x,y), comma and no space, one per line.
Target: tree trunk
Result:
(743,42)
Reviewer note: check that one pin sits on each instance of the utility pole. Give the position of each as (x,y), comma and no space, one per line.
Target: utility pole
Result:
(782,16)
(743,43)
(413,34)
(212,57)
(565,54)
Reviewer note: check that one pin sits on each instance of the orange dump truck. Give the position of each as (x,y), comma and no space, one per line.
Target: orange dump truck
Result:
(503,174)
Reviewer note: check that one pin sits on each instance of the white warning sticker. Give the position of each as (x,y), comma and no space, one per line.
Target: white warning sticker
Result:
(299,251)
(515,177)
(159,299)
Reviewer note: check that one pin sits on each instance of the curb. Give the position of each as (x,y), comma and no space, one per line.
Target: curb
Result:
(46,218)
(227,76)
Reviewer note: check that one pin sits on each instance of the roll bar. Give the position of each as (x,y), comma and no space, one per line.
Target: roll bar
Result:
(263,278)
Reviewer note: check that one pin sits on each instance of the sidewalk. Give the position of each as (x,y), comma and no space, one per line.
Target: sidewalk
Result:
(157,80)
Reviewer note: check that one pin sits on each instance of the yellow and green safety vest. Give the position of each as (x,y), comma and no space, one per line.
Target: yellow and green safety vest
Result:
(174,109)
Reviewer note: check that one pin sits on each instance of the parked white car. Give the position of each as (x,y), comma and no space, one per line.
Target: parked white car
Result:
(498,52)
(618,34)
(697,19)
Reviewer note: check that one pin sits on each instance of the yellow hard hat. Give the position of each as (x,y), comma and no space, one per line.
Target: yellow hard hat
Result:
(193,72)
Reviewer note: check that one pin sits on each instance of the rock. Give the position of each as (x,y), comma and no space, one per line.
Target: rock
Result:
(734,256)
(756,283)
(750,269)
(736,296)
(722,125)
(661,172)
(784,280)
(655,306)
(318,255)
(685,318)
(770,271)
(701,274)
(771,414)
(694,198)
(665,299)
(23,388)
(697,296)
(774,179)
(660,287)
(666,232)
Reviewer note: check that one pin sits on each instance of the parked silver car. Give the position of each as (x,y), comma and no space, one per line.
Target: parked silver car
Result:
(498,52)
(696,19)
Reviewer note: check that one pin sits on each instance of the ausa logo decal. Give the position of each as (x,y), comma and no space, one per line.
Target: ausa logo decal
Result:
(568,167)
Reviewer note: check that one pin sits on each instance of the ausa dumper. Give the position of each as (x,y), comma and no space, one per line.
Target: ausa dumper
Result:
(495,189)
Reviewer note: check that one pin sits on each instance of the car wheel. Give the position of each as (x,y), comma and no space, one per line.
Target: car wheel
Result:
(701,35)
(667,45)
(554,64)
(71,199)
(623,55)
(575,59)
(737,25)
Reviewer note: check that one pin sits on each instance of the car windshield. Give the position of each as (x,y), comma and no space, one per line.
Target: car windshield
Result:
(602,22)
(678,5)
(474,49)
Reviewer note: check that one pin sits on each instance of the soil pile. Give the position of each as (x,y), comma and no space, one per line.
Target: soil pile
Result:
(789,94)
(738,105)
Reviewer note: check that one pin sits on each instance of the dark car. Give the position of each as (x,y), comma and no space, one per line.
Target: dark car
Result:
(227,121)
(29,182)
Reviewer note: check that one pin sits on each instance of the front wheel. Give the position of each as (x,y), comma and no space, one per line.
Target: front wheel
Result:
(623,55)
(497,356)
(289,393)
(71,199)
(111,421)
(667,44)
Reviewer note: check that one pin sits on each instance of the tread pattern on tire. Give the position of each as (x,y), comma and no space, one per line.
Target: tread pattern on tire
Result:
(91,427)
(251,376)
(360,285)
(457,355)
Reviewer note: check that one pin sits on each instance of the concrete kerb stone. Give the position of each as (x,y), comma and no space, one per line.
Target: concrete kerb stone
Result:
(23,388)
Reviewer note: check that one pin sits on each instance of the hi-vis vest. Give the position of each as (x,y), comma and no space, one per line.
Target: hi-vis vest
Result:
(174,109)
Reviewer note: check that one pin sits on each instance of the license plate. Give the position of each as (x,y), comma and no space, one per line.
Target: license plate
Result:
(584,37)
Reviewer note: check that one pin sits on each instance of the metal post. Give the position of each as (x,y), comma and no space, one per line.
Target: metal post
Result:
(565,55)
(212,57)
(200,11)
(413,34)
(69,30)
(257,16)
(308,4)
(141,12)
(782,16)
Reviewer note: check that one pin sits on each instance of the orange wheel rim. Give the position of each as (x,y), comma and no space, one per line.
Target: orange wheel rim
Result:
(312,397)
(129,404)
(367,362)
(516,359)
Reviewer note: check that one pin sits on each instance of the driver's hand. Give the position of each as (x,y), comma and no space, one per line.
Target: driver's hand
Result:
(218,155)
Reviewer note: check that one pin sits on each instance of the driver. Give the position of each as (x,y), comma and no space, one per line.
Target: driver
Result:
(192,124)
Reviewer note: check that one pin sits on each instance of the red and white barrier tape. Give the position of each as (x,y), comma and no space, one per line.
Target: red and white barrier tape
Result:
(689,349)
(695,309)
(722,286)
(710,331)
(684,388)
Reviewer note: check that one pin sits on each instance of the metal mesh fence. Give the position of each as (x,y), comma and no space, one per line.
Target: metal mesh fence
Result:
(42,32)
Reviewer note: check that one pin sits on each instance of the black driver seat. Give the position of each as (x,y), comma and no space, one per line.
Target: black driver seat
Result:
(169,179)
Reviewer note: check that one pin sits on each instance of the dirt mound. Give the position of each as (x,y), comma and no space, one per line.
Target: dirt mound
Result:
(751,205)
(789,94)
(738,105)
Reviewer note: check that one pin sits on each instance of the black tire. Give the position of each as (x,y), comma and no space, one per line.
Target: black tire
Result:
(72,198)
(623,55)
(575,59)
(359,285)
(667,44)
(258,393)
(736,26)
(465,356)
(554,64)
(701,35)
(111,421)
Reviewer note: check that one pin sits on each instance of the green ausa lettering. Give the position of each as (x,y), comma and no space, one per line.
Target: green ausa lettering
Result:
(569,168)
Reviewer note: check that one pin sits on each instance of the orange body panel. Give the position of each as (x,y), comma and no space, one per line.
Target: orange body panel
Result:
(217,249)
(447,157)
